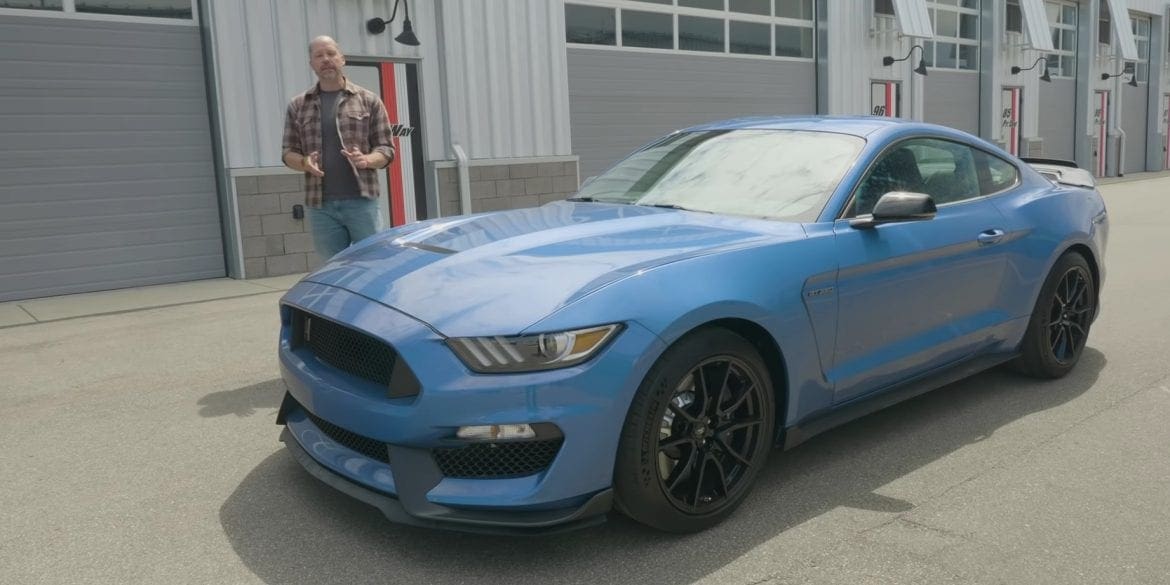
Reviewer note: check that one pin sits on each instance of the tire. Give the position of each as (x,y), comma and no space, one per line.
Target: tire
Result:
(1060,322)
(685,461)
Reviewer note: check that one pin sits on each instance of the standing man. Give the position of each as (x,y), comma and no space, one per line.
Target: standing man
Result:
(337,133)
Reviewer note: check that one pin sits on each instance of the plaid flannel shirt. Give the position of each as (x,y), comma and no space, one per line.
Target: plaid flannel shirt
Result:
(361,121)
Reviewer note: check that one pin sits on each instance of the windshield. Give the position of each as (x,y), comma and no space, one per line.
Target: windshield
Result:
(778,174)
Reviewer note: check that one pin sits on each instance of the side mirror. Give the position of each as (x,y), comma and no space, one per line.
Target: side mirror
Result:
(897,206)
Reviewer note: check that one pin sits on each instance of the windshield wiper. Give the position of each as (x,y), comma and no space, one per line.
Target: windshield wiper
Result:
(585,199)
(672,206)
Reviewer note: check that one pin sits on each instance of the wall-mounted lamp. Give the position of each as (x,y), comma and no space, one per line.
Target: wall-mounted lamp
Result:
(1016,70)
(1129,68)
(921,69)
(406,37)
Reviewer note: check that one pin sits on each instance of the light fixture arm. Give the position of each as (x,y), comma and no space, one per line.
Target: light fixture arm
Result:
(889,60)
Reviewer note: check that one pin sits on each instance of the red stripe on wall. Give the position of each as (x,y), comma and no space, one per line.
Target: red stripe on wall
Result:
(890,99)
(390,99)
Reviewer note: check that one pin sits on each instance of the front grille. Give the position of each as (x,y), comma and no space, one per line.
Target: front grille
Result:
(497,460)
(346,349)
(371,448)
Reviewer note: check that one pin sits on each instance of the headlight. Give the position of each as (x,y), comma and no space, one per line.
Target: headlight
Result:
(530,353)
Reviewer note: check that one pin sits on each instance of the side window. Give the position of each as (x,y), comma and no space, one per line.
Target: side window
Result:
(1000,174)
(948,171)
(944,170)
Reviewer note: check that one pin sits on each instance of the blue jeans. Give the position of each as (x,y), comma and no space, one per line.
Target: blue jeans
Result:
(339,223)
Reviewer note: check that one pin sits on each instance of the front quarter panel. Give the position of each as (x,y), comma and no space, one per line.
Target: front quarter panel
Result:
(763,285)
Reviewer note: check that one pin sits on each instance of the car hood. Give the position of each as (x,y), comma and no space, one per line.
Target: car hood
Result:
(498,273)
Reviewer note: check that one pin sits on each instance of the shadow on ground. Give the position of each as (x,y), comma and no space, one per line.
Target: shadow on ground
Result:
(287,527)
(242,401)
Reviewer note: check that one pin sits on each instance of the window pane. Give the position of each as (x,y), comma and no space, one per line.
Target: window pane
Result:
(802,9)
(948,24)
(968,57)
(1053,12)
(709,4)
(750,38)
(969,26)
(945,55)
(156,8)
(1068,40)
(1068,66)
(700,34)
(590,25)
(667,2)
(32,4)
(1069,15)
(928,53)
(1014,20)
(1001,174)
(653,30)
(883,7)
(1143,72)
(794,41)
(969,4)
(763,7)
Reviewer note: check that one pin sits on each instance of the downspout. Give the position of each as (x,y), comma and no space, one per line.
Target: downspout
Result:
(1115,122)
(464,179)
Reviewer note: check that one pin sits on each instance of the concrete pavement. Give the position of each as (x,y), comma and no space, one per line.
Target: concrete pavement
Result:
(139,447)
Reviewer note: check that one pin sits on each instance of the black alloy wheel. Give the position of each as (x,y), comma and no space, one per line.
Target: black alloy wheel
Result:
(1059,327)
(712,426)
(1070,315)
(697,434)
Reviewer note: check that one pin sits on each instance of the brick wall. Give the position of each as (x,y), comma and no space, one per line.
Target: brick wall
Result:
(274,243)
(503,186)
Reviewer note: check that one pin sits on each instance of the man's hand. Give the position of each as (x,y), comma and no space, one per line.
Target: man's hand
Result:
(313,164)
(357,158)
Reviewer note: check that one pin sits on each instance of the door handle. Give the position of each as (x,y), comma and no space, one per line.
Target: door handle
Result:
(989,237)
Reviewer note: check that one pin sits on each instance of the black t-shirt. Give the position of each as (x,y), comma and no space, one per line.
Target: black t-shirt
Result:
(340,181)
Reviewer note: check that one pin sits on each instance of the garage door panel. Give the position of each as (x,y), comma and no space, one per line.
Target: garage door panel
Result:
(33,176)
(106,208)
(81,191)
(32,245)
(124,104)
(77,142)
(29,157)
(112,276)
(952,99)
(66,230)
(1134,123)
(620,100)
(66,122)
(101,106)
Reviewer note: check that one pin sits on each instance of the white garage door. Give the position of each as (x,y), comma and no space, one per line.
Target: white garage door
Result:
(106,158)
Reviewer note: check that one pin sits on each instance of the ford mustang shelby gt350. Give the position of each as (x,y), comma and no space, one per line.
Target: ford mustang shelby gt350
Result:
(643,345)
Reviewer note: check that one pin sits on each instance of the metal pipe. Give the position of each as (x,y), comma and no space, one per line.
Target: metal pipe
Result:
(464,179)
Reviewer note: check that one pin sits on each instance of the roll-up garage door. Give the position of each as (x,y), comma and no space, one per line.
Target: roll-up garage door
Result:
(620,100)
(106,172)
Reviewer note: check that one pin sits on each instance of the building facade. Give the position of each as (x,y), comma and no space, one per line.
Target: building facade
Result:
(143,136)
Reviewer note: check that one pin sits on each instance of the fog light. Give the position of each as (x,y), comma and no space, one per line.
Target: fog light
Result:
(496,432)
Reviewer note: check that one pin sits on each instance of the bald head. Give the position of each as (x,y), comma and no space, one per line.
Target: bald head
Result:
(328,62)
(322,40)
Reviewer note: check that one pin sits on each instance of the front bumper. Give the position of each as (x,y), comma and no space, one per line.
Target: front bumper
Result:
(416,512)
(587,403)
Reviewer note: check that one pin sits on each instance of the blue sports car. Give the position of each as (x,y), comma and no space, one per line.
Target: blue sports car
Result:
(642,346)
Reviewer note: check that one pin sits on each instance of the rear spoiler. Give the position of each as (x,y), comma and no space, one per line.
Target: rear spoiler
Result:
(1064,172)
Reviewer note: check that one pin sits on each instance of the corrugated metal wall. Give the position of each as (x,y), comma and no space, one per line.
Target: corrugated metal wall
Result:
(1057,108)
(496,67)
(105,157)
(622,99)
(506,81)
(952,99)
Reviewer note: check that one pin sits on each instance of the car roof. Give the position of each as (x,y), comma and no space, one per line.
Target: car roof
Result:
(856,125)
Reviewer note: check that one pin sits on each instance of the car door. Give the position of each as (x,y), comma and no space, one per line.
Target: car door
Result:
(916,295)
